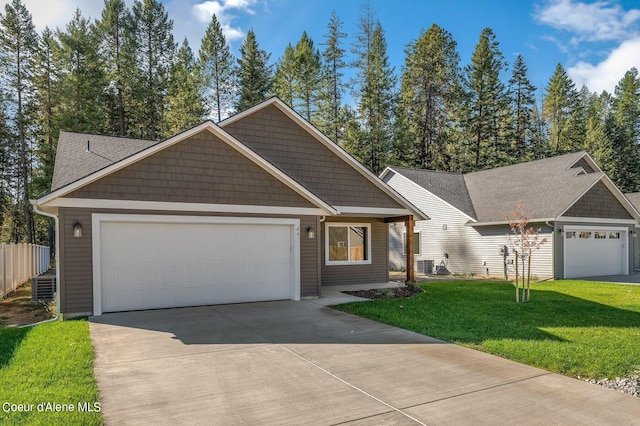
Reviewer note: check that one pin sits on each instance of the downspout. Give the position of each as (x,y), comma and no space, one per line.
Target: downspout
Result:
(55,218)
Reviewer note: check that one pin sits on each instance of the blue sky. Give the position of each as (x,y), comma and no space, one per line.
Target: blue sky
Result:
(596,41)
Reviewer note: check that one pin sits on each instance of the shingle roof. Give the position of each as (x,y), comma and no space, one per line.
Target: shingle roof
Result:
(450,187)
(545,188)
(634,198)
(74,161)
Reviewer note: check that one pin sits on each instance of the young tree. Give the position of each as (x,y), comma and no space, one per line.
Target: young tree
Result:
(116,51)
(333,65)
(523,241)
(82,81)
(559,108)
(155,49)
(217,67)
(486,103)
(522,98)
(18,44)
(185,97)
(307,81)
(254,73)
(428,93)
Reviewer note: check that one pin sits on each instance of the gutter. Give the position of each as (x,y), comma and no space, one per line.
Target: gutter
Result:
(58,316)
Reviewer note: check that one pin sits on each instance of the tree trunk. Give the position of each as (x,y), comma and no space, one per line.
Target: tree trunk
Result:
(529,279)
(517,281)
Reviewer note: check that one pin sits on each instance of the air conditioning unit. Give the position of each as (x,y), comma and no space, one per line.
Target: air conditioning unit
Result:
(425,266)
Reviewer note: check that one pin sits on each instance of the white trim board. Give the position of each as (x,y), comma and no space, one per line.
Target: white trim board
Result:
(182,207)
(98,218)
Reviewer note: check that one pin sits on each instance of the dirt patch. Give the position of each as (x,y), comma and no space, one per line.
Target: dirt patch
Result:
(17,309)
(386,293)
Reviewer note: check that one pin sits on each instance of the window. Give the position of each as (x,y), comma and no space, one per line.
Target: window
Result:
(570,234)
(585,235)
(600,236)
(416,243)
(614,235)
(348,243)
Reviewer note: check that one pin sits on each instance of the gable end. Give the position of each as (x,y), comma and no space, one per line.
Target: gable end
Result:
(598,202)
(200,169)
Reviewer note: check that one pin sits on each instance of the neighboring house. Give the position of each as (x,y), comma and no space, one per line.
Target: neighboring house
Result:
(589,224)
(634,198)
(258,207)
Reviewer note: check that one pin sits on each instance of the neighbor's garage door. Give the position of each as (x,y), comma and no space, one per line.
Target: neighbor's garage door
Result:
(164,265)
(592,252)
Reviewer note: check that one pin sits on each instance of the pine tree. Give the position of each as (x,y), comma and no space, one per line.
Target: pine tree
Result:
(539,141)
(254,73)
(18,44)
(46,80)
(116,51)
(284,78)
(307,82)
(217,67)
(332,71)
(625,133)
(375,91)
(428,93)
(82,79)
(185,98)
(155,49)
(597,141)
(486,103)
(560,105)
(522,97)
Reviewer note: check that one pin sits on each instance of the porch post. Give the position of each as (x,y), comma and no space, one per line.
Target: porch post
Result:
(409,224)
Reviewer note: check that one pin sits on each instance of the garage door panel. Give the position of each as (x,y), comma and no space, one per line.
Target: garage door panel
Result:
(586,255)
(161,265)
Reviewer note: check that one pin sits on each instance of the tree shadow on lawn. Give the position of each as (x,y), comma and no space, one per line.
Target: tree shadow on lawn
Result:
(10,339)
(488,311)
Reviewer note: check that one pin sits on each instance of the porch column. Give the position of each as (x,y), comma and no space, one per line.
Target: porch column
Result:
(409,224)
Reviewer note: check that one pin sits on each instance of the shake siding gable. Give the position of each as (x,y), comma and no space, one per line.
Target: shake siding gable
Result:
(598,202)
(200,169)
(281,141)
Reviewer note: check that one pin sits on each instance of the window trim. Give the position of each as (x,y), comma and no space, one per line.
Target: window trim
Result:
(328,225)
(415,244)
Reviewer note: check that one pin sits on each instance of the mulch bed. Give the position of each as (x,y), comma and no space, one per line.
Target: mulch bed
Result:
(386,293)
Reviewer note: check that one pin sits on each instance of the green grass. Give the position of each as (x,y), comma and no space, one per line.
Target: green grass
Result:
(576,328)
(48,363)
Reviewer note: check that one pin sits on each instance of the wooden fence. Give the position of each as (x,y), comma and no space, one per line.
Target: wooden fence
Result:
(19,263)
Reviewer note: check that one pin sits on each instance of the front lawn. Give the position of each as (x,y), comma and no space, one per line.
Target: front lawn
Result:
(46,375)
(576,328)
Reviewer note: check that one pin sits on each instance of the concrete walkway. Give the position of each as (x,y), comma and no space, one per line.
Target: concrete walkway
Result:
(295,363)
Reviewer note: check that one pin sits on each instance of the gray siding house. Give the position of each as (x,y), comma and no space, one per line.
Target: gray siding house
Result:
(258,207)
(588,223)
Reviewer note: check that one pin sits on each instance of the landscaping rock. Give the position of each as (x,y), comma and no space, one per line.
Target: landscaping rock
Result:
(386,293)
(628,385)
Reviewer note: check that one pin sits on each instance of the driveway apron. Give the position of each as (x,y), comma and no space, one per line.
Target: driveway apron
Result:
(301,363)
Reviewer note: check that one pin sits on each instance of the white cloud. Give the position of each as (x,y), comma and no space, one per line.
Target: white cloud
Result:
(607,74)
(599,21)
(223,10)
(57,13)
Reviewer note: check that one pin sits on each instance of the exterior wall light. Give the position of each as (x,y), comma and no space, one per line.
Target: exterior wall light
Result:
(311,233)
(559,230)
(77,230)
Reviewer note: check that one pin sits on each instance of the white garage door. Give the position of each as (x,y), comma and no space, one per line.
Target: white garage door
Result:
(155,264)
(593,252)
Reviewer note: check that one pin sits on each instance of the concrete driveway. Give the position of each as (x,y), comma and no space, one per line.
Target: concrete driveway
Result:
(300,363)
